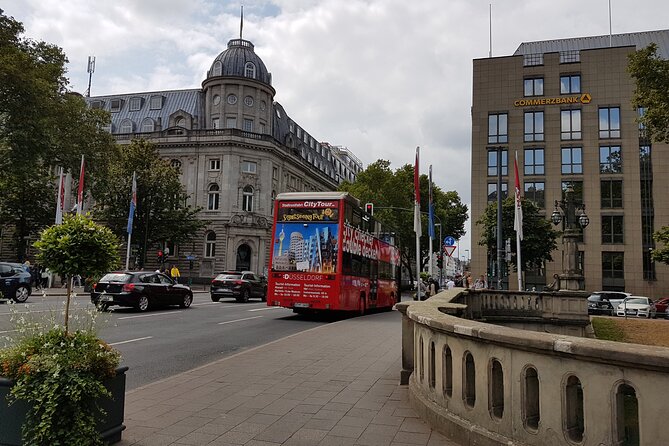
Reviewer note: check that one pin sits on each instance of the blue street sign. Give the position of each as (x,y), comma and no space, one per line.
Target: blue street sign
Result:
(449,241)
(190,257)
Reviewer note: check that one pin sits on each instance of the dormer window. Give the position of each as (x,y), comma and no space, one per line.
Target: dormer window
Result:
(126,126)
(250,70)
(135,104)
(148,125)
(156,103)
(218,68)
(116,105)
(97,105)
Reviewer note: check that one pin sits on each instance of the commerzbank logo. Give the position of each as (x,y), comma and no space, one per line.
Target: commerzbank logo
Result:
(585,98)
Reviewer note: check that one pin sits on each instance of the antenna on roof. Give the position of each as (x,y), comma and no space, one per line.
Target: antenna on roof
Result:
(241,23)
(490,30)
(91,70)
(610,29)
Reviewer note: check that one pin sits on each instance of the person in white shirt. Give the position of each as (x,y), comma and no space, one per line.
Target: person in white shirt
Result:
(450,284)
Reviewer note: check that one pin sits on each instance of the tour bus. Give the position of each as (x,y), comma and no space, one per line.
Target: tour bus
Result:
(328,254)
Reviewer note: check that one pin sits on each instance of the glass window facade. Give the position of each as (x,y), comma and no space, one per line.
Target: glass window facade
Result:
(612,229)
(611,194)
(572,160)
(498,131)
(570,124)
(609,122)
(534,191)
(570,83)
(610,159)
(492,191)
(534,126)
(534,87)
(534,161)
(492,163)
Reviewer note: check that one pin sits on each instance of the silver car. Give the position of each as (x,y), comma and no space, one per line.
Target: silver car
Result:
(637,306)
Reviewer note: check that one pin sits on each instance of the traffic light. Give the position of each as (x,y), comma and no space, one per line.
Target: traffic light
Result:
(440,261)
(160,256)
(369,208)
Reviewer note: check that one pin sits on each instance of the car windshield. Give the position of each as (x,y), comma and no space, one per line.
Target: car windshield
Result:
(228,276)
(116,277)
(594,298)
(637,300)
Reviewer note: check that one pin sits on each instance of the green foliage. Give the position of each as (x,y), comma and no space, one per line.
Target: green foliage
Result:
(608,329)
(651,73)
(392,193)
(78,246)
(42,126)
(60,375)
(539,237)
(661,254)
(162,213)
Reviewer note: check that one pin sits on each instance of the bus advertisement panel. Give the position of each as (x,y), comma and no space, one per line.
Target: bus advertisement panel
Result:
(305,252)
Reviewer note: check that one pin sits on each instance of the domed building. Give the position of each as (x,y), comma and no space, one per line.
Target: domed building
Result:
(236,149)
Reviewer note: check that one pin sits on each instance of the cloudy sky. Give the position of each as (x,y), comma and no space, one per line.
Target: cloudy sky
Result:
(378,76)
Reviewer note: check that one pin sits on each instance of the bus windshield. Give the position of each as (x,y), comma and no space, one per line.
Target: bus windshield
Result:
(308,247)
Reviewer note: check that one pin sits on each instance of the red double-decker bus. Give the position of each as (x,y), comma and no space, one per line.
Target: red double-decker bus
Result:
(329,254)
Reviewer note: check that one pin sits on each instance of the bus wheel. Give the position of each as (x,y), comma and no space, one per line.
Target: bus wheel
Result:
(361,309)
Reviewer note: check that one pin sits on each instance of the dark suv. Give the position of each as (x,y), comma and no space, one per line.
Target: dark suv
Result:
(242,285)
(15,281)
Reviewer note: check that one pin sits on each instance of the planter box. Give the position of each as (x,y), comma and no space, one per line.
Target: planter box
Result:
(11,417)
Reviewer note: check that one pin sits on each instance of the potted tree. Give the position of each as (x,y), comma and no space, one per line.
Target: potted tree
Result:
(61,384)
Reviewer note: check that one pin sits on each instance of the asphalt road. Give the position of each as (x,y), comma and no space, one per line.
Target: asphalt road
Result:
(164,342)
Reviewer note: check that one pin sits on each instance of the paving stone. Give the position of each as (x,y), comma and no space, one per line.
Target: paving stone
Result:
(412,438)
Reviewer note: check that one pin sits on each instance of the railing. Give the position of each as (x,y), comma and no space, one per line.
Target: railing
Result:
(480,383)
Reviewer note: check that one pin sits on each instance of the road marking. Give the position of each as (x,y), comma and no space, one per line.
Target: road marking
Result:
(267,308)
(213,303)
(131,340)
(7,331)
(149,315)
(239,320)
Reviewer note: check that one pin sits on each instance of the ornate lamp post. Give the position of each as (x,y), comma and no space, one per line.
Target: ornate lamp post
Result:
(572,276)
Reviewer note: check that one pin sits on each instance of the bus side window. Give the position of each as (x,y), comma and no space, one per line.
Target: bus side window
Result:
(357,219)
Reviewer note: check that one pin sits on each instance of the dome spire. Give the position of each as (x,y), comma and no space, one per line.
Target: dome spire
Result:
(241,23)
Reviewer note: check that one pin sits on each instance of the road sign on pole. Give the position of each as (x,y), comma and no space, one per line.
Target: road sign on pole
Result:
(449,240)
(448,250)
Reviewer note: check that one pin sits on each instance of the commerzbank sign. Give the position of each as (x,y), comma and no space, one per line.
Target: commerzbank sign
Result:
(585,98)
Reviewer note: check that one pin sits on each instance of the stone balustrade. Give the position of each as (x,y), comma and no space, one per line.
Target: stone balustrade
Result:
(486,384)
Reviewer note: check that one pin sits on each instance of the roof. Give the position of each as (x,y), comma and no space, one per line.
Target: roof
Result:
(189,101)
(638,39)
(313,196)
(233,62)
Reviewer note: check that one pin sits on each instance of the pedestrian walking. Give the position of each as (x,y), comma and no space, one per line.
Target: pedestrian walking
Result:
(174,272)
(481,283)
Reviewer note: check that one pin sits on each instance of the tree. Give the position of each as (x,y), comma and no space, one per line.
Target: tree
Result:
(392,193)
(42,126)
(162,214)
(651,74)
(539,238)
(78,246)
(662,254)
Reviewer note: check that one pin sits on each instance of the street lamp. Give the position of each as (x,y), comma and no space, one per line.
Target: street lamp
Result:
(441,253)
(571,277)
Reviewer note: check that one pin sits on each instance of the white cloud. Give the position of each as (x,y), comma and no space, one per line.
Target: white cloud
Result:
(379,76)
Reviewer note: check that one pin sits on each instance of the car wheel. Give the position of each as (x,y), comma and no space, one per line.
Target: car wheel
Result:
(143,303)
(215,298)
(245,296)
(21,294)
(188,299)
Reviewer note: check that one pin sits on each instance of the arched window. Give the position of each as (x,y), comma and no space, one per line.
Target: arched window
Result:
(627,415)
(421,365)
(272,198)
(247,199)
(432,367)
(448,372)
(575,423)
(214,197)
(250,70)
(218,68)
(243,258)
(180,122)
(148,125)
(210,244)
(496,389)
(531,415)
(469,379)
(126,126)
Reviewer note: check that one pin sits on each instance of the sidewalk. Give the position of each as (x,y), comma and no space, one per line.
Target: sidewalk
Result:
(336,384)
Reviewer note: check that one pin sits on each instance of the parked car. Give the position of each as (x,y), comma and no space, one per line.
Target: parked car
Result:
(15,281)
(637,306)
(614,298)
(661,306)
(242,285)
(142,290)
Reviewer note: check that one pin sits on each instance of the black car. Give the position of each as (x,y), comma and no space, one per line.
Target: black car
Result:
(15,281)
(604,302)
(242,285)
(139,289)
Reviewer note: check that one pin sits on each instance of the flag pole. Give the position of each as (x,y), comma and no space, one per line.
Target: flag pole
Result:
(80,191)
(430,229)
(416,220)
(518,225)
(131,215)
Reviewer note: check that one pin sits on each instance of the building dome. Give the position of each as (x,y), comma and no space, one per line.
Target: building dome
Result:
(239,60)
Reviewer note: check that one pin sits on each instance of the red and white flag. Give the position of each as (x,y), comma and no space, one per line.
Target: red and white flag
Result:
(80,192)
(60,198)
(518,215)
(416,187)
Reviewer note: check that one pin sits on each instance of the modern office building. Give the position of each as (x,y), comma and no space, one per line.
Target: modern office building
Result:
(565,107)
(236,149)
